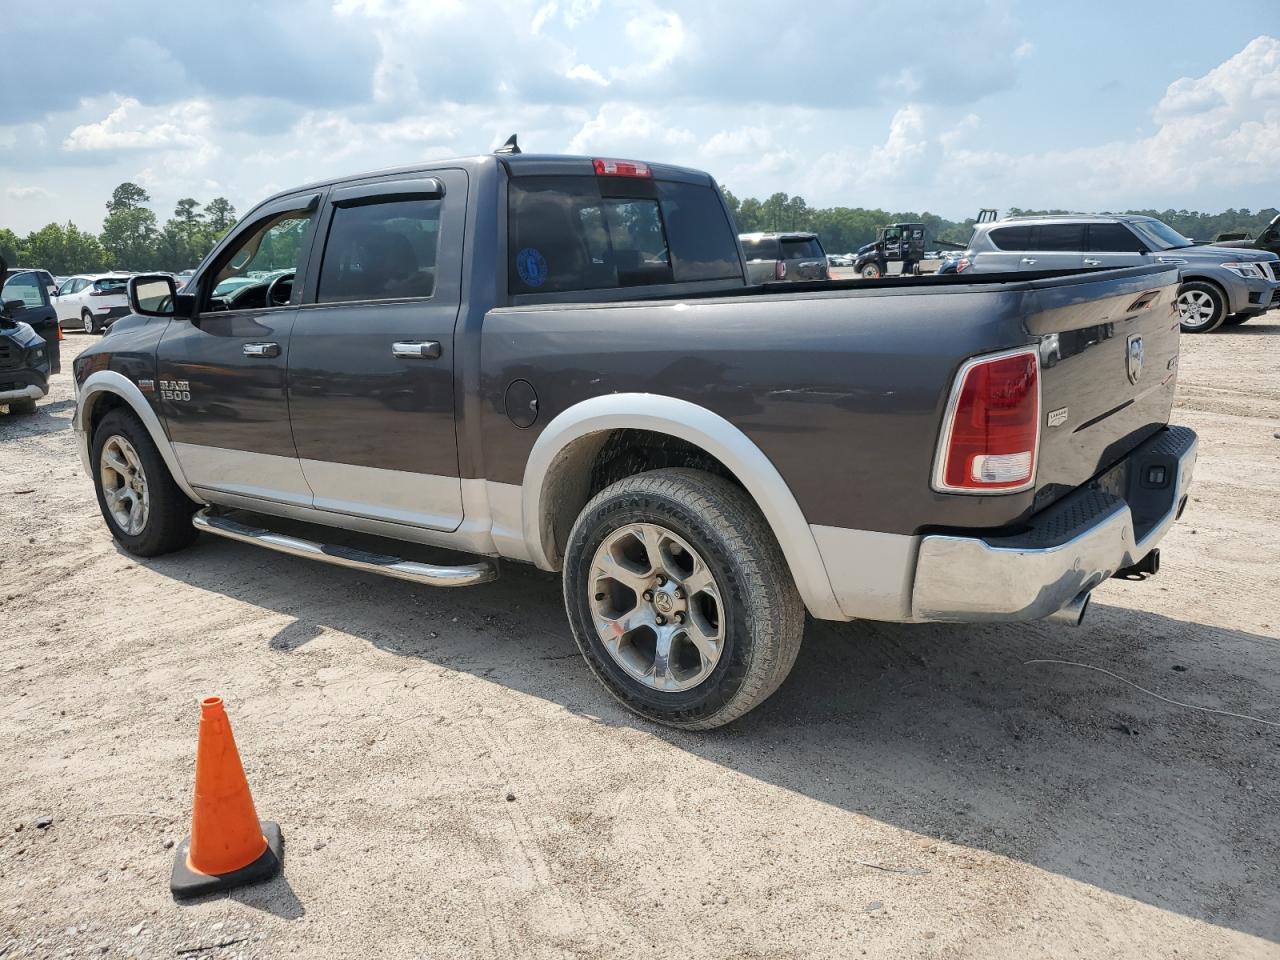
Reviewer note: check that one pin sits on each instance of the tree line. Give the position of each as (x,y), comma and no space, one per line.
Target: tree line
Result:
(845,229)
(131,237)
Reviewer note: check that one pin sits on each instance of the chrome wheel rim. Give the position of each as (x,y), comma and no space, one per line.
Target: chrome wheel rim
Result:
(656,607)
(88,323)
(1196,308)
(124,485)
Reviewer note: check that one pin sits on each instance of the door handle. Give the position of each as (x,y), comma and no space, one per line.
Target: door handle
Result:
(1028,260)
(1090,262)
(263,350)
(416,349)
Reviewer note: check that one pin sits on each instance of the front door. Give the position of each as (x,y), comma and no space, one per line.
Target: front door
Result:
(221,376)
(372,363)
(1113,245)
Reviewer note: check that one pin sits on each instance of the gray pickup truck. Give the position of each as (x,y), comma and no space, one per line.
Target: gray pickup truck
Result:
(559,361)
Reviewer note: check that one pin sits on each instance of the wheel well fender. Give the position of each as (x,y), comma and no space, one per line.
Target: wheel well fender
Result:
(558,475)
(105,390)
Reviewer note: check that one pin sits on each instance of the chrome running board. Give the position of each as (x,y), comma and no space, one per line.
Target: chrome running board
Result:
(434,575)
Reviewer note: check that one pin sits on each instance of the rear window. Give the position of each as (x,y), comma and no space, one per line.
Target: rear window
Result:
(803,249)
(589,233)
(113,285)
(1011,238)
(764,248)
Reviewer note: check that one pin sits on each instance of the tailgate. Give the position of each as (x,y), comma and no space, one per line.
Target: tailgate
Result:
(1109,353)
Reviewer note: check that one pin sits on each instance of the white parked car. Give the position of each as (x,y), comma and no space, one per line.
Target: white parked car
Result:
(92,301)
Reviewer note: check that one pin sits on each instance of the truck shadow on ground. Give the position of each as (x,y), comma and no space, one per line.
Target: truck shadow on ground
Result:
(942,730)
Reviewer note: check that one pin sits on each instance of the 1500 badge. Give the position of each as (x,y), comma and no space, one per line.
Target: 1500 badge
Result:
(175,390)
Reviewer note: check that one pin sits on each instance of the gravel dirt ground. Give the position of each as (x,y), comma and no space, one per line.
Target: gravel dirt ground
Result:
(452,783)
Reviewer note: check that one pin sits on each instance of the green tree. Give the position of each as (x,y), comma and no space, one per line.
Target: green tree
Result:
(127,196)
(10,247)
(64,248)
(220,215)
(129,238)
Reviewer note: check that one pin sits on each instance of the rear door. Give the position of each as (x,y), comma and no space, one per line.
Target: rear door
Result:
(1056,246)
(221,376)
(372,362)
(1111,245)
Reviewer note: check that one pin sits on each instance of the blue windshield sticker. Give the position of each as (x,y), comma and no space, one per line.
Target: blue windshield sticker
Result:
(531,265)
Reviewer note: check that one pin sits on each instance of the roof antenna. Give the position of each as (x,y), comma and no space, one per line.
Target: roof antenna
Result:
(510,146)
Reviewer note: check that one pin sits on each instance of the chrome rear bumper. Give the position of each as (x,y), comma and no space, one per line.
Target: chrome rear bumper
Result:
(1067,549)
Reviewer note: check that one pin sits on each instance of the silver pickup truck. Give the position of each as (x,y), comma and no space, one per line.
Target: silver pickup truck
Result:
(559,361)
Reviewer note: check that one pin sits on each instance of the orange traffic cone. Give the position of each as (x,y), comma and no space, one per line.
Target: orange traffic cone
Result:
(228,846)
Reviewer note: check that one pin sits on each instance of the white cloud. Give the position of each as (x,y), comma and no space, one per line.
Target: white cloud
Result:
(743,140)
(617,127)
(29,193)
(583,72)
(131,126)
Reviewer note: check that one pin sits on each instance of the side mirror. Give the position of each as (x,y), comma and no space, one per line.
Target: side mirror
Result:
(14,306)
(156,295)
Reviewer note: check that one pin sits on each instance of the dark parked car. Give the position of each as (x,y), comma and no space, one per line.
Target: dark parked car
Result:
(1268,240)
(791,257)
(559,361)
(28,340)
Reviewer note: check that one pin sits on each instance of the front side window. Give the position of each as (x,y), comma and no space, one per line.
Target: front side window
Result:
(381,251)
(68,286)
(25,286)
(272,249)
(1112,238)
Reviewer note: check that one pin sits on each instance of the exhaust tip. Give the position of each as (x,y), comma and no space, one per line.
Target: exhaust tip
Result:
(1071,615)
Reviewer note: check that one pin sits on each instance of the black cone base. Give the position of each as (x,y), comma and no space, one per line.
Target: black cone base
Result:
(186,883)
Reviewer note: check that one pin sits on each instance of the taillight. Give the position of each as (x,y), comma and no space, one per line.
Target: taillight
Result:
(621,168)
(963,264)
(780,270)
(991,430)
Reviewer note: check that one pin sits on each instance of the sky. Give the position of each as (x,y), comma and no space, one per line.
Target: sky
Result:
(945,107)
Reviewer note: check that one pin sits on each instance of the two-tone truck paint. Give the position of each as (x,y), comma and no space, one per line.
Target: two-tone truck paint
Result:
(559,361)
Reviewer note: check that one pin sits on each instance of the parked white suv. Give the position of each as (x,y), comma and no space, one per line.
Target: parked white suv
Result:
(92,301)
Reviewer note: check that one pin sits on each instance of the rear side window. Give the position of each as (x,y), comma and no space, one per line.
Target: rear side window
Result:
(1112,238)
(1051,237)
(765,248)
(380,251)
(802,249)
(1011,238)
(589,233)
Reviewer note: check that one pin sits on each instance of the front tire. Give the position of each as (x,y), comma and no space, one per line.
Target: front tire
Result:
(871,272)
(680,598)
(145,510)
(1201,307)
(24,405)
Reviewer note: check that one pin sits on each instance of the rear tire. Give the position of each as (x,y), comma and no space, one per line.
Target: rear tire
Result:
(24,405)
(144,509)
(88,324)
(731,612)
(1202,307)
